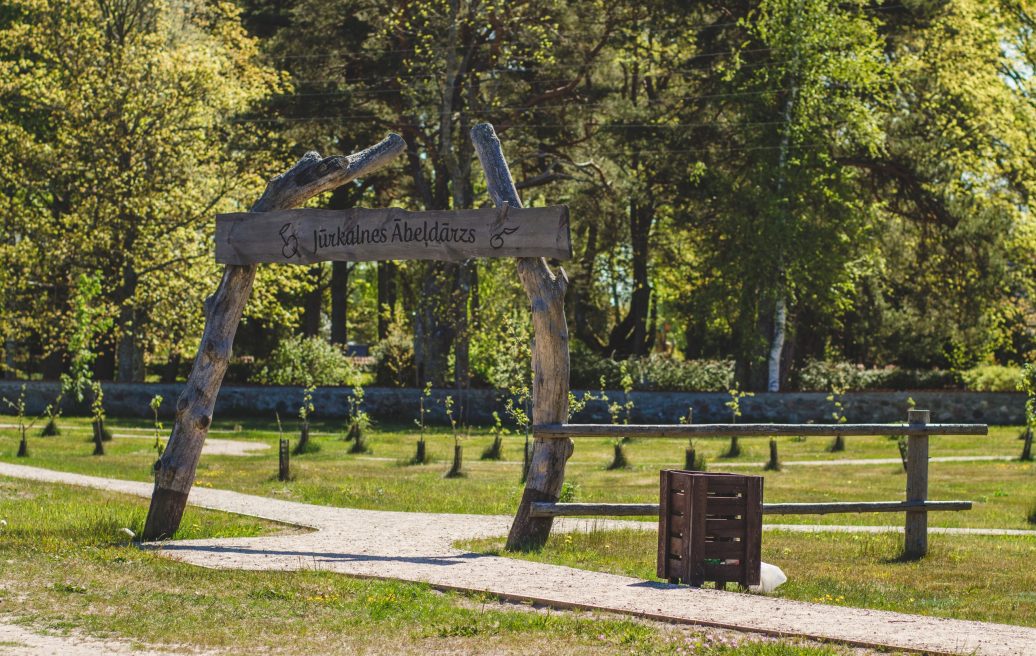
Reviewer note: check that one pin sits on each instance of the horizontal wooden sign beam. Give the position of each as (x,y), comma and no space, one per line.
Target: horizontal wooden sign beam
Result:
(305,236)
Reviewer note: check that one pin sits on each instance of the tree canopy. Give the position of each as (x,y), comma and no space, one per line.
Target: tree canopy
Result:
(766,182)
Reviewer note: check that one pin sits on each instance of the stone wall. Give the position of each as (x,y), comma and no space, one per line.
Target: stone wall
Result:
(401,405)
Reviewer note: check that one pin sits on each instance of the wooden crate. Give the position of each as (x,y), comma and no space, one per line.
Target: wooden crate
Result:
(709,527)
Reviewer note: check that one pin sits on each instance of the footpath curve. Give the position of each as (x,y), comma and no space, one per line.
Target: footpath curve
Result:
(418,547)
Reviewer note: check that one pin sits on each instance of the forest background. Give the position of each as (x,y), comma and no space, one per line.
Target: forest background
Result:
(785,194)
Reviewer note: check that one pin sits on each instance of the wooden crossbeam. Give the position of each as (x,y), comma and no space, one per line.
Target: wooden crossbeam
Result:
(560,431)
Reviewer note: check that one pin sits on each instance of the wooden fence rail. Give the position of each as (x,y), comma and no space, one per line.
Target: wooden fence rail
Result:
(545,509)
(917,429)
(560,431)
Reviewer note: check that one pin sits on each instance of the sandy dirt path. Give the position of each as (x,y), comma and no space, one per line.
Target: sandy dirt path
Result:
(419,547)
(25,641)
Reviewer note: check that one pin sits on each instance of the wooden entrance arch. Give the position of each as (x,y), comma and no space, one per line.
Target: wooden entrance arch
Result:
(310,176)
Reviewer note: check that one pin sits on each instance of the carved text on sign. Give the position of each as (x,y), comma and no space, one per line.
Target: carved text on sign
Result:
(310,235)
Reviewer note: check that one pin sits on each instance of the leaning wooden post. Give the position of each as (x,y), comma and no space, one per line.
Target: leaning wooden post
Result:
(550,365)
(175,470)
(915,544)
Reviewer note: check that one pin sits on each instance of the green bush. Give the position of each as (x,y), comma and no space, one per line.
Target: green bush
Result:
(394,358)
(991,378)
(826,375)
(652,373)
(307,361)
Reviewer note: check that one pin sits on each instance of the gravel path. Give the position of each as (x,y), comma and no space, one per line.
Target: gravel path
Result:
(215,446)
(418,547)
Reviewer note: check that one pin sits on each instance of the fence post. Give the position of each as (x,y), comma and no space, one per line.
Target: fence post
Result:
(285,469)
(916,531)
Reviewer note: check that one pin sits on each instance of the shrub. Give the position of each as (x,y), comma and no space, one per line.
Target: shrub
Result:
(307,361)
(991,378)
(655,372)
(394,358)
(822,375)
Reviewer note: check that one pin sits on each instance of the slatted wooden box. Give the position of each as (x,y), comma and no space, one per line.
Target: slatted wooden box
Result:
(710,528)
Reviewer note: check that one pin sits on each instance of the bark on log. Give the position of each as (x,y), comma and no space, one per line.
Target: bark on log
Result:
(550,363)
(175,470)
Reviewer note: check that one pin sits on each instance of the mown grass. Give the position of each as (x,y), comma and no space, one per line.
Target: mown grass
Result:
(66,565)
(1003,491)
(986,578)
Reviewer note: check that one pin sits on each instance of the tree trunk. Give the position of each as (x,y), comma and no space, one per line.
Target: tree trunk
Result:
(434,328)
(313,303)
(550,363)
(386,297)
(773,371)
(340,302)
(175,470)
(780,310)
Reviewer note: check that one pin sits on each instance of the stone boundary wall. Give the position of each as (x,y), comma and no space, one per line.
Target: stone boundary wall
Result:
(396,405)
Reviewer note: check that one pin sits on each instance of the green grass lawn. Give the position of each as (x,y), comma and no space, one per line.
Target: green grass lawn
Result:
(65,565)
(967,577)
(1004,492)
(964,577)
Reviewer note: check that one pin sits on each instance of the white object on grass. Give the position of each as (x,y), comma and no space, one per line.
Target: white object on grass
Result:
(771,577)
(130,533)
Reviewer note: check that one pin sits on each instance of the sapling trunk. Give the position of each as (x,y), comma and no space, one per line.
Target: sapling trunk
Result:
(50,429)
(690,459)
(619,460)
(98,438)
(106,435)
(526,459)
(1027,446)
(495,450)
(774,463)
(456,468)
(837,445)
(902,444)
(421,454)
(303,445)
(734,450)
(23,446)
(353,432)
(359,444)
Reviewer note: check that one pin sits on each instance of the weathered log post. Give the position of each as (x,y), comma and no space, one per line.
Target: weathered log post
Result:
(175,470)
(915,544)
(550,364)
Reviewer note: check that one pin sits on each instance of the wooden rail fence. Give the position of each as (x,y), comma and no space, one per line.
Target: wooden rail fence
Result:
(916,506)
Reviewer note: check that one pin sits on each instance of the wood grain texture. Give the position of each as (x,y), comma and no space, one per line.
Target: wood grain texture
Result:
(305,236)
(550,363)
(561,431)
(175,470)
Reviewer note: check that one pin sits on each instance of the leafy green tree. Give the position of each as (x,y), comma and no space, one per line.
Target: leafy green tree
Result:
(116,122)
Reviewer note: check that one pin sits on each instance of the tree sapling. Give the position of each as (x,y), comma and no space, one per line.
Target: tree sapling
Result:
(736,395)
(305,412)
(421,452)
(456,468)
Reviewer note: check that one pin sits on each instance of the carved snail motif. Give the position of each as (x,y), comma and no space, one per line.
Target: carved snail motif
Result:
(291,241)
(497,240)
